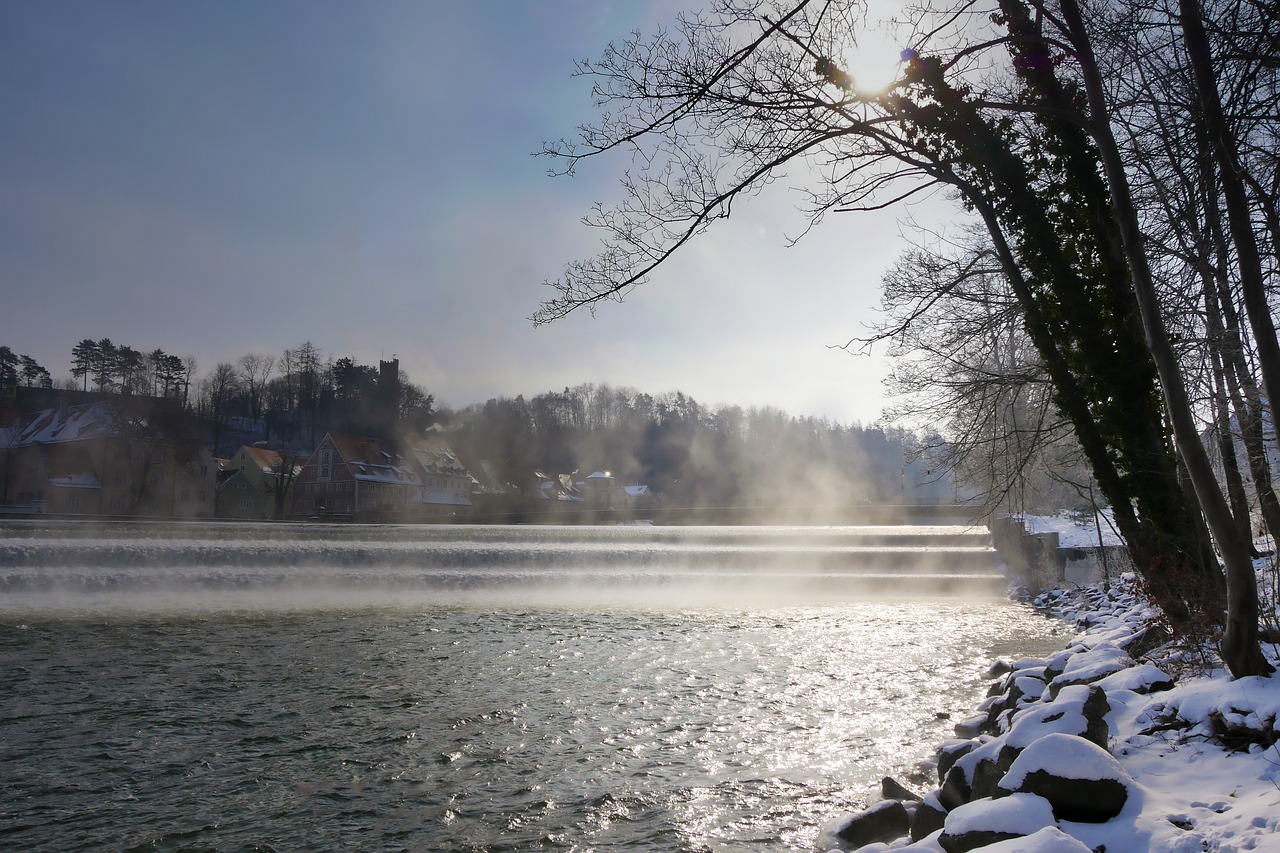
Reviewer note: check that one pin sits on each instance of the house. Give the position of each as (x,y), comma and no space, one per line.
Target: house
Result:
(447,486)
(257,483)
(131,457)
(635,497)
(558,488)
(374,479)
(598,490)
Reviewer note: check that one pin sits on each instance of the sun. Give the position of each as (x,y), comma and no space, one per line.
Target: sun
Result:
(872,54)
(874,63)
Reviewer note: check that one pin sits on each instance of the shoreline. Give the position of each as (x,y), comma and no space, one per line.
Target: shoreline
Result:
(1121,741)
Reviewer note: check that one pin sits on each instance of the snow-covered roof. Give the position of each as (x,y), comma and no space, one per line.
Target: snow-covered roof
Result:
(374,461)
(69,423)
(266,460)
(76,481)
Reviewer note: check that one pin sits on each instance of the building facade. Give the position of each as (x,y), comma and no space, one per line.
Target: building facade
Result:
(372,479)
(107,459)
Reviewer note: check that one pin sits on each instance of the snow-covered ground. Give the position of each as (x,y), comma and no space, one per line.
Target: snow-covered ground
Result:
(1074,532)
(1191,752)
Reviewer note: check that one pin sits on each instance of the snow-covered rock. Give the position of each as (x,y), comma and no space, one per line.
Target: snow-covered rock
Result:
(983,822)
(1185,765)
(1047,840)
(1091,665)
(1079,710)
(1081,780)
(884,821)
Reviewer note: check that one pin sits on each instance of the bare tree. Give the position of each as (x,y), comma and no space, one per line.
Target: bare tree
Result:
(216,393)
(255,370)
(1012,115)
(962,362)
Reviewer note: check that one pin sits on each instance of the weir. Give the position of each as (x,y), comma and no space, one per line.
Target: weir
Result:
(45,563)
(860,514)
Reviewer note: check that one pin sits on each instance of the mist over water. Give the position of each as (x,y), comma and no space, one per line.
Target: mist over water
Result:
(55,567)
(479,688)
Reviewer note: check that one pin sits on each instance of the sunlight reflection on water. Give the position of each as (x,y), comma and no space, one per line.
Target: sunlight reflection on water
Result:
(423,709)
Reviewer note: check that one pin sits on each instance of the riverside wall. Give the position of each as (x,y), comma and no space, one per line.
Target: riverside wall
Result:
(1041,562)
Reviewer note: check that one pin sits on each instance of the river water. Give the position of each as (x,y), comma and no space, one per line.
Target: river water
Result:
(201,687)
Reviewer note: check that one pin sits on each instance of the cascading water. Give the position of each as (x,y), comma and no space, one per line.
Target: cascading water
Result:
(479,688)
(131,565)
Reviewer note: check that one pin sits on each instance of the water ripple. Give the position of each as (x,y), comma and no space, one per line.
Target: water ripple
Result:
(483,724)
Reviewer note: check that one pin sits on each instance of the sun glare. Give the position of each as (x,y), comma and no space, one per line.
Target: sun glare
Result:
(874,63)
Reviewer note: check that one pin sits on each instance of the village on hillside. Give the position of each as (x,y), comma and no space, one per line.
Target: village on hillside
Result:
(336,440)
(137,458)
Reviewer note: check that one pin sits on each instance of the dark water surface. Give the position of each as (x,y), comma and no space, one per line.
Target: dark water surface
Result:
(177,689)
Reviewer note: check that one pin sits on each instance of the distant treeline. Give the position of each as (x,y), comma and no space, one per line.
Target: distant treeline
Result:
(694,454)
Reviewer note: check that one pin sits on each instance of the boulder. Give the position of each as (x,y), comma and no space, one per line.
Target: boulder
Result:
(928,818)
(1026,689)
(1048,840)
(955,789)
(949,752)
(985,822)
(971,727)
(892,789)
(885,821)
(1022,666)
(972,776)
(1054,666)
(1080,779)
(998,668)
(1147,678)
(1089,666)
(1078,710)
(985,779)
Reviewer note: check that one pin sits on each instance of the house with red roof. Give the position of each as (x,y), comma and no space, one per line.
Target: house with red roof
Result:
(257,483)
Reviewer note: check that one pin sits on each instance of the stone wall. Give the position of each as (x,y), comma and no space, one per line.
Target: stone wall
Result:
(1039,561)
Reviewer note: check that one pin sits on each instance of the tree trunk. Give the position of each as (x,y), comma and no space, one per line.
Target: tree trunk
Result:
(1241,650)
(1241,387)
(1223,147)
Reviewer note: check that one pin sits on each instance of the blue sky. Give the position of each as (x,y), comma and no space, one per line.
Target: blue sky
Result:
(219,178)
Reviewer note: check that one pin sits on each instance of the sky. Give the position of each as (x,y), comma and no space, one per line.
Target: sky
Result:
(213,179)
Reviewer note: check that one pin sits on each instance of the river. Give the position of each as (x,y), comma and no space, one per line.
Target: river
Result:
(280,687)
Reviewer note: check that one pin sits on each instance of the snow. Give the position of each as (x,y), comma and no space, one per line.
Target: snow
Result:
(1019,813)
(1252,702)
(1093,664)
(1065,756)
(1190,791)
(1064,717)
(1139,679)
(1050,839)
(76,481)
(1073,533)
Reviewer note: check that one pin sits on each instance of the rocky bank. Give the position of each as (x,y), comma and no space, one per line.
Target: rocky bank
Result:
(1122,742)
